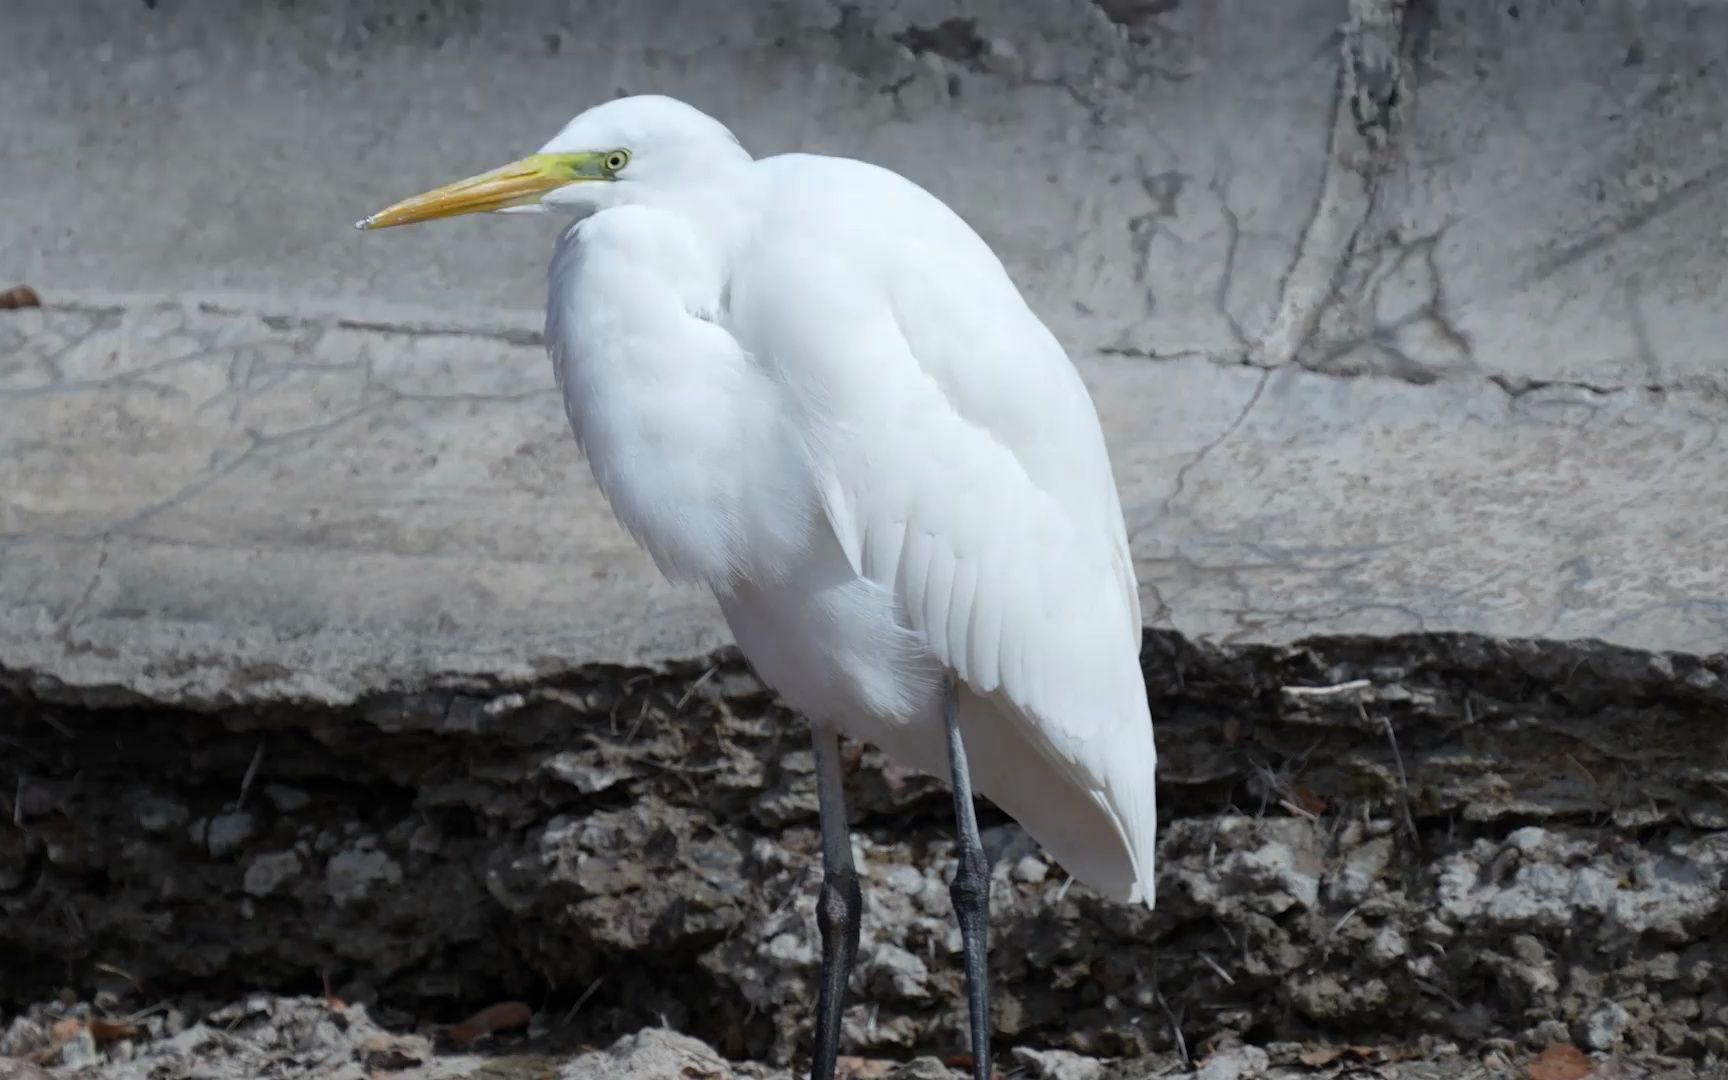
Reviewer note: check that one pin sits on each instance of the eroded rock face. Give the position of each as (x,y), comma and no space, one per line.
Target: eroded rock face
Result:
(1472,839)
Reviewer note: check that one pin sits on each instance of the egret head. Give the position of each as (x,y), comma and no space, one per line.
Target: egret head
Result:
(625,151)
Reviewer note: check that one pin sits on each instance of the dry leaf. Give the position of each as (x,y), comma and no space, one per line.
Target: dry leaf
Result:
(1308,799)
(1319,1056)
(1561,1062)
(857,1068)
(505,1014)
(109,1030)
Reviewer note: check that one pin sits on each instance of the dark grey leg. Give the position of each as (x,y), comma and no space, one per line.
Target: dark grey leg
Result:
(970,891)
(840,906)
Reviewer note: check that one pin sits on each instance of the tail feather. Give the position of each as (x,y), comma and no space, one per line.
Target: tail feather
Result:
(1101,830)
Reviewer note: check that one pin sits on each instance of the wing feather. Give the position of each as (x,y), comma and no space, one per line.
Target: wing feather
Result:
(962,466)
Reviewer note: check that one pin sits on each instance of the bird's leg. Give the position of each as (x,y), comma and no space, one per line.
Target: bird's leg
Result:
(840,906)
(970,891)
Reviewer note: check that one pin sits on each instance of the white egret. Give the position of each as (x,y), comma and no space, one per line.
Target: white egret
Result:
(808,385)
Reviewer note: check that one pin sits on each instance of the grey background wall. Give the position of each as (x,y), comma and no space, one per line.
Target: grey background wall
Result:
(1402,316)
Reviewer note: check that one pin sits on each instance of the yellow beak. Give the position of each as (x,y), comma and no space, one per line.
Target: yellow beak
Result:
(520,183)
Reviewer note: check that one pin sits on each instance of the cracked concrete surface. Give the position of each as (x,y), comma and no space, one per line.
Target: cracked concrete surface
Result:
(205,505)
(1404,318)
(243,438)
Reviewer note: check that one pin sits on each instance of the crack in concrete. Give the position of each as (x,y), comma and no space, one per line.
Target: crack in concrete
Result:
(1617,229)
(1182,473)
(1309,281)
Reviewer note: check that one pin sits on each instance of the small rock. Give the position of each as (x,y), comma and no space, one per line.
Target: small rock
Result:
(588,777)
(1362,868)
(156,815)
(903,879)
(652,1052)
(12,1069)
(896,974)
(790,950)
(1606,1025)
(228,832)
(1234,1063)
(426,839)
(269,872)
(922,1068)
(1389,944)
(286,799)
(24,1036)
(1031,869)
(80,1050)
(1548,1033)
(350,875)
(504,704)
(1057,1064)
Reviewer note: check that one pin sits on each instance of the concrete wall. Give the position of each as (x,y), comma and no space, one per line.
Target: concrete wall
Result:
(1402,316)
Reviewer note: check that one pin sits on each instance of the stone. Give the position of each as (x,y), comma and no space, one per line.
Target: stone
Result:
(285,799)
(1605,1026)
(158,815)
(896,974)
(350,875)
(1057,1064)
(268,872)
(226,833)
(652,1052)
(1233,1063)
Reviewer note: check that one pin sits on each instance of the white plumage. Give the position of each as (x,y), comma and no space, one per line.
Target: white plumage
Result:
(808,385)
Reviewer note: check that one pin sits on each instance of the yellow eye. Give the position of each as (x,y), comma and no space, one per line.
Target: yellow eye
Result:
(616,160)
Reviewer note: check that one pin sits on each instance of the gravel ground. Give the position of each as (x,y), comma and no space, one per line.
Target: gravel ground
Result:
(289,1038)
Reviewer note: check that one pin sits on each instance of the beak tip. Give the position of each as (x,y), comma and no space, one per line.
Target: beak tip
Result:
(363,224)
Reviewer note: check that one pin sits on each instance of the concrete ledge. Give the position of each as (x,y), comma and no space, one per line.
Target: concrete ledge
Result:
(208,505)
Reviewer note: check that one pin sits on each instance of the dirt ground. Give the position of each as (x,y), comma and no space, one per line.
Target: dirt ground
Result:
(309,1037)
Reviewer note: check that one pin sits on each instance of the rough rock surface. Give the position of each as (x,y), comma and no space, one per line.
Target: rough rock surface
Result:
(313,1039)
(1455,836)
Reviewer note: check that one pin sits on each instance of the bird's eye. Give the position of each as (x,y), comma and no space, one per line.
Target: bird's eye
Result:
(616,160)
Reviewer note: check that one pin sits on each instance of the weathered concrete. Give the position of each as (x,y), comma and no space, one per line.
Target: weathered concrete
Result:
(1534,190)
(305,492)
(211,506)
